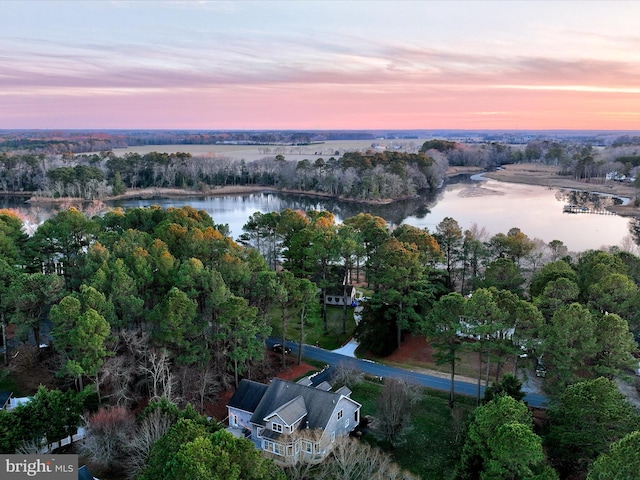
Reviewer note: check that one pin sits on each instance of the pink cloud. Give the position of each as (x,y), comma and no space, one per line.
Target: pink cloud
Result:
(314,85)
(328,107)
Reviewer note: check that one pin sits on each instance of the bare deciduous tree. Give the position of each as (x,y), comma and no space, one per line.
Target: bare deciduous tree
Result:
(198,384)
(118,373)
(346,373)
(353,460)
(115,375)
(162,380)
(394,409)
(154,426)
(108,436)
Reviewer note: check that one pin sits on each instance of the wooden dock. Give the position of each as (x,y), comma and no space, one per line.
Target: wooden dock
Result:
(593,211)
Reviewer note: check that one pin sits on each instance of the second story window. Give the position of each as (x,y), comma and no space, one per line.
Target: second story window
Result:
(276,427)
(339,414)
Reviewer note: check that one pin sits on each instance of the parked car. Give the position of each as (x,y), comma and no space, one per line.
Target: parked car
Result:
(279,348)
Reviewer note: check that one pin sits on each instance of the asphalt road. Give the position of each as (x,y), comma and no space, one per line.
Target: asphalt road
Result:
(379,370)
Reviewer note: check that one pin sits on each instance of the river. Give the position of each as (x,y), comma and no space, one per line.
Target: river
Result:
(496,206)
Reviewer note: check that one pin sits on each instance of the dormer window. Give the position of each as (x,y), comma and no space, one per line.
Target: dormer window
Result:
(276,427)
(339,414)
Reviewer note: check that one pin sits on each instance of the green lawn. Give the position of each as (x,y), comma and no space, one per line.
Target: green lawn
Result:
(432,445)
(314,333)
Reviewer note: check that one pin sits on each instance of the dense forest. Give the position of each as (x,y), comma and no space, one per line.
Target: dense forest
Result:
(367,175)
(159,305)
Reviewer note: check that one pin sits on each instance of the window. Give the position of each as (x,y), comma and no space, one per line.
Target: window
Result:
(333,437)
(346,423)
(234,420)
(339,414)
(276,427)
(267,446)
(308,447)
(356,416)
(289,450)
(277,449)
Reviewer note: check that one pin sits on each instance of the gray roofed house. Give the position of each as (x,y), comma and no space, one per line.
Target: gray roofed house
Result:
(291,412)
(242,405)
(292,422)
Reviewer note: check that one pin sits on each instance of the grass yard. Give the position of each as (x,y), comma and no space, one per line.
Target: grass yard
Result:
(314,329)
(432,444)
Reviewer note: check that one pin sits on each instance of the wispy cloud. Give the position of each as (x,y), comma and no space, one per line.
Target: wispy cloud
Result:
(225,65)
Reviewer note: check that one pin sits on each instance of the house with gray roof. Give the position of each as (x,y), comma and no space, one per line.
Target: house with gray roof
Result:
(292,422)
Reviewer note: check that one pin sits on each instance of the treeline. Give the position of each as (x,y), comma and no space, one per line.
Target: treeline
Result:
(361,175)
(80,141)
(582,161)
(370,176)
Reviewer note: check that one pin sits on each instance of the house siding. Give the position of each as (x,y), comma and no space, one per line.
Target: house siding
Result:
(239,418)
(319,423)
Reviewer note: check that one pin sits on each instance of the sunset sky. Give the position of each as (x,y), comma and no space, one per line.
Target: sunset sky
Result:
(320,65)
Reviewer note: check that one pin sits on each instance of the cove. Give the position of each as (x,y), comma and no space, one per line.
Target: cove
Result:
(495,206)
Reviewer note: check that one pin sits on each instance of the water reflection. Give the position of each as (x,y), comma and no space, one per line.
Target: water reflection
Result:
(592,201)
(496,206)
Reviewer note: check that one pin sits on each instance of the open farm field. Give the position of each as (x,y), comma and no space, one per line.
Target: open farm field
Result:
(291,152)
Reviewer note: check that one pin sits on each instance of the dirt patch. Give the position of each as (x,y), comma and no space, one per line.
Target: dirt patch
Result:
(416,354)
(218,409)
(294,372)
(33,367)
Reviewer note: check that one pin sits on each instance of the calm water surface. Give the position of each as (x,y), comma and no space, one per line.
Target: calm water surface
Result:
(496,206)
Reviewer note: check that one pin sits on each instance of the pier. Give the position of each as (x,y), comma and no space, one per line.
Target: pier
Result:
(593,211)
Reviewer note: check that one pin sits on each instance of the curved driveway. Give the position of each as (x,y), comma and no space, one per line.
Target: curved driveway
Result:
(379,370)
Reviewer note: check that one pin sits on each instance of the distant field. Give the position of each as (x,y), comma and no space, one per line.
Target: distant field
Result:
(255,152)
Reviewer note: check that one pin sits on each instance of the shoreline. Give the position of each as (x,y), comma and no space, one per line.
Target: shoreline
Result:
(147,193)
(547,176)
(522,173)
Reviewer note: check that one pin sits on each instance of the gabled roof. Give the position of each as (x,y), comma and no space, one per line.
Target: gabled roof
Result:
(344,390)
(326,386)
(4,399)
(248,395)
(320,404)
(306,381)
(291,411)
